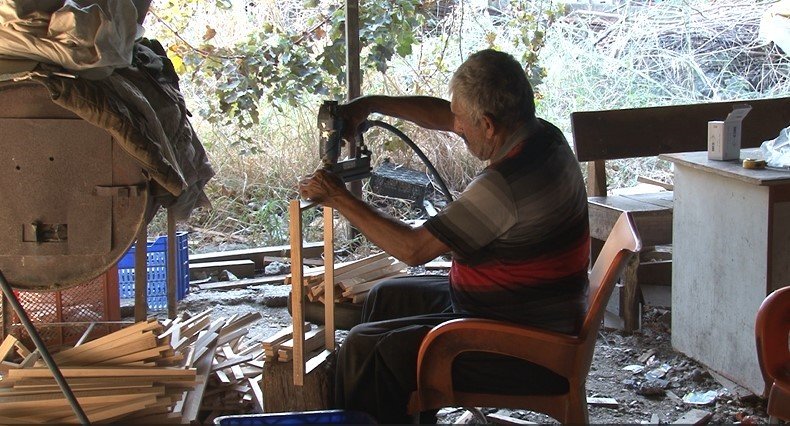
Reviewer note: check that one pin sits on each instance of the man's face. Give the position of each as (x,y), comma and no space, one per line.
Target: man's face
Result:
(472,131)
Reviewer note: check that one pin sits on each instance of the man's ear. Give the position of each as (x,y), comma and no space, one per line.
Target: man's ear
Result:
(490,125)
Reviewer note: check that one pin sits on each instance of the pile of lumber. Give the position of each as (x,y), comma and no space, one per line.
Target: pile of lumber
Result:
(279,346)
(352,279)
(150,372)
(233,383)
(131,371)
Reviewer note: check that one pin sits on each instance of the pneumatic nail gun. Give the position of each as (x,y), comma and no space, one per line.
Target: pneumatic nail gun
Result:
(331,129)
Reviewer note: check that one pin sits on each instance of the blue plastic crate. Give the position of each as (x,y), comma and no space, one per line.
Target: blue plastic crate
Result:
(332,417)
(157,271)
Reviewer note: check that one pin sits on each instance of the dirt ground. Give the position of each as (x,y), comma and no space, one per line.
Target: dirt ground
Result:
(641,371)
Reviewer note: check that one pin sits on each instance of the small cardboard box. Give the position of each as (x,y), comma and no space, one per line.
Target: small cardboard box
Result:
(724,137)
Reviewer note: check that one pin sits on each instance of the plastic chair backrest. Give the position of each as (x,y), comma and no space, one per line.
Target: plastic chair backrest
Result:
(771,328)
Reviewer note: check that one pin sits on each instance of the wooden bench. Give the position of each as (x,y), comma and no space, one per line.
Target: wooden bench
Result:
(645,132)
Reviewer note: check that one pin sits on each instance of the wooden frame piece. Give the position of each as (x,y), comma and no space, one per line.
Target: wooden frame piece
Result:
(300,367)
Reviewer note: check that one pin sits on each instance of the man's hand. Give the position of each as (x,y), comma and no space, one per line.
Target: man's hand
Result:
(354,113)
(322,187)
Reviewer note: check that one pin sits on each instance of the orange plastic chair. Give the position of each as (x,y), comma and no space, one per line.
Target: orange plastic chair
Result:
(566,355)
(771,330)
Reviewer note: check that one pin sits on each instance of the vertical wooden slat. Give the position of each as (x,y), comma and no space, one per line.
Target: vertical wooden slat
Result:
(297,299)
(172,268)
(329,278)
(141,275)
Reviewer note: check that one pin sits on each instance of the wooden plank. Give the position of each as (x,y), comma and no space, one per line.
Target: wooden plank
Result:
(341,268)
(329,277)
(136,356)
(297,299)
(192,399)
(313,339)
(112,337)
(365,269)
(257,255)
(664,199)
(7,346)
(257,399)
(103,372)
(240,323)
(31,359)
(281,336)
(643,132)
(317,360)
(396,267)
(126,345)
(283,259)
(35,404)
(623,203)
(55,395)
(366,286)
(114,411)
(232,362)
(243,283)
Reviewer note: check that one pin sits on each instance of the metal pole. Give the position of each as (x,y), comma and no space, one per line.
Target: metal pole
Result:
(141,274)
(172,268)
(42,349)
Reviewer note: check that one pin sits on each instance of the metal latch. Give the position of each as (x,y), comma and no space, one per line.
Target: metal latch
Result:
(118,191)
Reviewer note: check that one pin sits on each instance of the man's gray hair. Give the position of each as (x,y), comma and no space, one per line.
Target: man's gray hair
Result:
(494,83)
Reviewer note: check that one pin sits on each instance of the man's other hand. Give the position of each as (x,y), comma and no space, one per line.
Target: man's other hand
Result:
(323,187)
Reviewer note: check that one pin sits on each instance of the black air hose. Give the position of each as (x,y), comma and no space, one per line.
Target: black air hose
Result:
(377,123)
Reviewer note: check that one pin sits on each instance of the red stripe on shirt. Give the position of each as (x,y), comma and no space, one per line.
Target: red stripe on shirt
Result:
(497,275)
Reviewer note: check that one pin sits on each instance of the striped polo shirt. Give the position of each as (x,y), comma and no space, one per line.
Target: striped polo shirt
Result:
(520,236)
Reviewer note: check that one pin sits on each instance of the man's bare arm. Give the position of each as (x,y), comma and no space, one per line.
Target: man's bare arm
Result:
(425,111)
(413,246)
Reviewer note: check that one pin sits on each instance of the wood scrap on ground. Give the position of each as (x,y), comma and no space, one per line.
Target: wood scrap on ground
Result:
(151,372)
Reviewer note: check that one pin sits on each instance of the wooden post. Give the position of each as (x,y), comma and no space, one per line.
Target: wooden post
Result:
(141,274)
(297,298)
(172,267)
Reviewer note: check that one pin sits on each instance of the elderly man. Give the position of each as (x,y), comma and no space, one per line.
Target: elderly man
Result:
(518,234)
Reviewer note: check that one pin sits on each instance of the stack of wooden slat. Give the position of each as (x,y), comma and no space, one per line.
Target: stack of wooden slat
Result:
(150,372)
(236,372)
(279,346)
(352,279)
(126,373)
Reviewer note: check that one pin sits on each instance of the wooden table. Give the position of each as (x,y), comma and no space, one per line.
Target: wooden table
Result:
(731,244)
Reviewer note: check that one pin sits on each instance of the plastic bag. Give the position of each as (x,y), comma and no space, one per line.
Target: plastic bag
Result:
(776,152)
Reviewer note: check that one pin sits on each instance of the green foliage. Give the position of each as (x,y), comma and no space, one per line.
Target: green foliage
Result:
(530,21)
(282,66)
